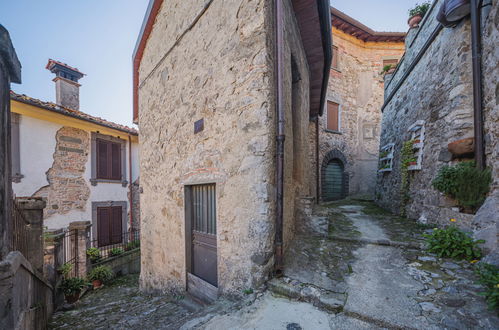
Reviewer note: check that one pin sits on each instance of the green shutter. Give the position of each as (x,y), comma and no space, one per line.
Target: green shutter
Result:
(333,181)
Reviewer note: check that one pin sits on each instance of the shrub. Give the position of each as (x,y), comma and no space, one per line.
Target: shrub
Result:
(115,252)
(465,183)
(72,285)
(102,273)
(489,277)
(65,269)
(132,245)
(420,9)
(453,243)
(94,254)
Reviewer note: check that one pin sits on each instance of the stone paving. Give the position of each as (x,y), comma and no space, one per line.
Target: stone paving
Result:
(356,267)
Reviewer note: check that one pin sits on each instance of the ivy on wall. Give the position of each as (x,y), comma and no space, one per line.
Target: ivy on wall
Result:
(406,156)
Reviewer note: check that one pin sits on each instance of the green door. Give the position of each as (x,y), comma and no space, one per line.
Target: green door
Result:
(333,181)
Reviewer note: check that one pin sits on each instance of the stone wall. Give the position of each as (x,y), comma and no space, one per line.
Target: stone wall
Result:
(358,87)
(439,92)
(220,69)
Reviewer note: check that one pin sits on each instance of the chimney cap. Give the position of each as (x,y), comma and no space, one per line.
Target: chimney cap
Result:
(63,70)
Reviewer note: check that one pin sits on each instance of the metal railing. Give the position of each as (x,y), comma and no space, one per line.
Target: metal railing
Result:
(114,245)
(68,252)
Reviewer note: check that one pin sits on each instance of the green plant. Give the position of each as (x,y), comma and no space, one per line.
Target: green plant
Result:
(73,285)
(488,276)
(115,252)
(386,68)
(248,291)
(132,245)
(453,243)
(383,154)
(65,269)
(406,156)
(94,254)
(420,9)
(465,183)
(101,273)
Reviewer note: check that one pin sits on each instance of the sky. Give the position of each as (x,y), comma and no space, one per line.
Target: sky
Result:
(98,38)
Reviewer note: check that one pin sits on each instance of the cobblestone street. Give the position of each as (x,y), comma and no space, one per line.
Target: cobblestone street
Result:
(355,267)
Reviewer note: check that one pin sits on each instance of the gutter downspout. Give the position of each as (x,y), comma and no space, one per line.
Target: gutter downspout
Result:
(317,167)
(278,265)
(130,196)
(476,51)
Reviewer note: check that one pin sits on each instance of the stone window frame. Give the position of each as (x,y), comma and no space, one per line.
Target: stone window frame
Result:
(388,159)
(15,120)
(335,51)
(124,212)
(417,131)
(93,152)
(340,107)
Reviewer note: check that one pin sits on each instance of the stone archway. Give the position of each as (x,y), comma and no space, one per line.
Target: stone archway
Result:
(334,176)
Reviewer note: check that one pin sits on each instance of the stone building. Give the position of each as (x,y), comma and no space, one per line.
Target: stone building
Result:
(349,131)
(81,164)
(430,99)
(226,94)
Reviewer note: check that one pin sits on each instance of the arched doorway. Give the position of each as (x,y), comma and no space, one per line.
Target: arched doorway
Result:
(333,188)
(334,176)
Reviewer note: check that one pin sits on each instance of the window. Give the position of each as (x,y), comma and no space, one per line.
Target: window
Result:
(108,159)
(15,148)
(417,132)
(334,61)
(333,116)
(108,222)
(386,158)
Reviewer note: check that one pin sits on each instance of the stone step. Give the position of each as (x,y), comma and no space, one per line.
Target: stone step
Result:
(321,298)
(383,242)
(191,303)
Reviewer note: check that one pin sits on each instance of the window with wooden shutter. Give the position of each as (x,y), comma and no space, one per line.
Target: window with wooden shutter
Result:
(333,116)
(334,60)
(108,160)
(109,225)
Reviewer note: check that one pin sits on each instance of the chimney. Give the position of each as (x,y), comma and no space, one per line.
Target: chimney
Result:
(67,89)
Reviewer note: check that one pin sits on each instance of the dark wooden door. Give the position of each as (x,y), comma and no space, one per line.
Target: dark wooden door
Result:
(333,181)
(109,225)
(204,233)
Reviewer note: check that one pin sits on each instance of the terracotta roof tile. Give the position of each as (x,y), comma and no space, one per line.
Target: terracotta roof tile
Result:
(71,113)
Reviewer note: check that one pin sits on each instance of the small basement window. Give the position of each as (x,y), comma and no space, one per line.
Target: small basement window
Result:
(417,131)
(386,158)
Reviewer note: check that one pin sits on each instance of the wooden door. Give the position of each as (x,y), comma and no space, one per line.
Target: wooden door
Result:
(333,181)
(109,225)
(204,233)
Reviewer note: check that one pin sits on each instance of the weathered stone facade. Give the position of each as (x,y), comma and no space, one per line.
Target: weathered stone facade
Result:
(216,63)
(67,189)
(438,93)
(357,86)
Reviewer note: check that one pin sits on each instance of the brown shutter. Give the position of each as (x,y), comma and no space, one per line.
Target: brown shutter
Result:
(102,159)
(332,116)
(334,61)
(103,226)
(116,228)
(115,161)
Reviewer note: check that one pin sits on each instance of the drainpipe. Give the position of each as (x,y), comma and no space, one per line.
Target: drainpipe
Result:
(476,51)
(130,197)
(278,266)
(317,167)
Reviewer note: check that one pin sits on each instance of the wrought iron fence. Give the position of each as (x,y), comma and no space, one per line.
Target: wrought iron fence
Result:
(114,245)
(20,229)
(69,254)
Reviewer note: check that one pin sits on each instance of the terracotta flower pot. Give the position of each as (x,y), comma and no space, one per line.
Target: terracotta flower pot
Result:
(71,299)
(414,20)
(413,163)
(97,284)
(416,141)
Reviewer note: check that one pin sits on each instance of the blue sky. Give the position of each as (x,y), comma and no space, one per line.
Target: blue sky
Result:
(98,37)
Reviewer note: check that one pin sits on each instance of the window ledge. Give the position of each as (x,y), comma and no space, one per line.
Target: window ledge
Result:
(336,69)
(332,131)
(17,178)
(94,182)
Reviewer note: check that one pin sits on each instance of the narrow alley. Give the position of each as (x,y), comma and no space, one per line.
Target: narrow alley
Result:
(354,267)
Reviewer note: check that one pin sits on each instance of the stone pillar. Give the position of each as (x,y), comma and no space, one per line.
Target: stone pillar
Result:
(32,210)
(10,71)
(82,241)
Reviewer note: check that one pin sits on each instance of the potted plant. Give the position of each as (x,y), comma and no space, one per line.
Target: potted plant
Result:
(416,141)
(93,254)
(417,13)
(72,288)
(65,269)
(388,69)
(132,245)
(412,162)
(115,252)
(99,275)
